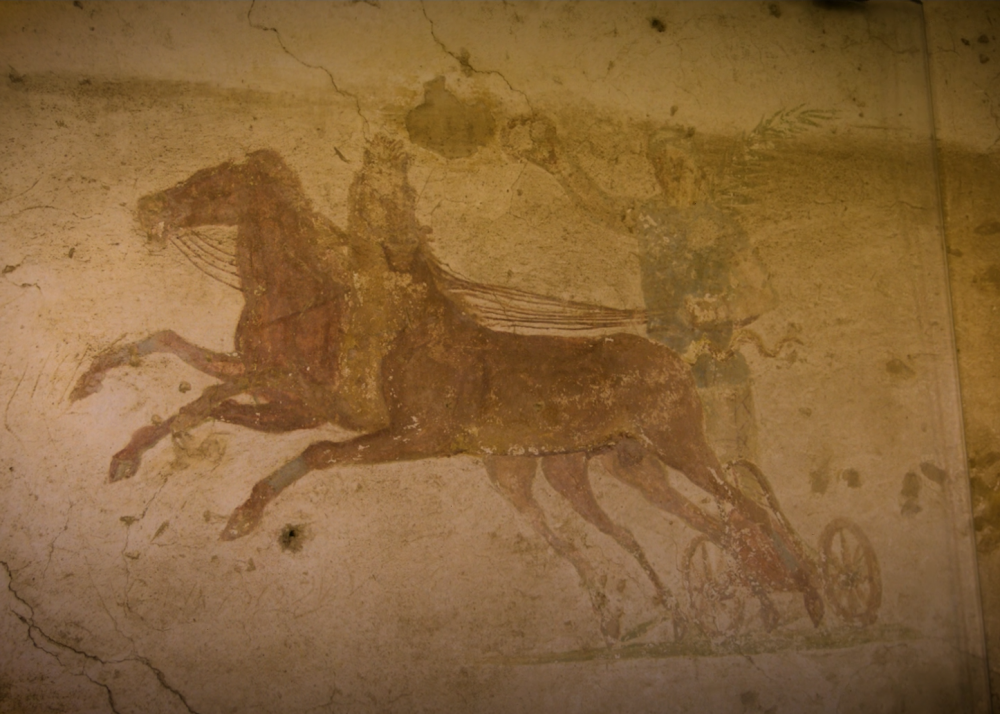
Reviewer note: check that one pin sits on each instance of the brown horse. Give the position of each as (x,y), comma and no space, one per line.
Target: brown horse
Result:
(450,386)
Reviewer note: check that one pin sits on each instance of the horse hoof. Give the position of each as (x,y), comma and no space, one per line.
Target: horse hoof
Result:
(122,467)
(242,522)
(85,386)
(246,517)
(814,606)
(611,627)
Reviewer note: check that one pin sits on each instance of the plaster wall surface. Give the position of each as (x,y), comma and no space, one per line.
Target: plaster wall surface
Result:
(757,194)
(963,55)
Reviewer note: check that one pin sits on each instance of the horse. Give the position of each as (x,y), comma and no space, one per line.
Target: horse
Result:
(450,384)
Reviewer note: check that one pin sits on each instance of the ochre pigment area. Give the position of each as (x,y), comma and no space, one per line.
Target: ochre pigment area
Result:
(499,357)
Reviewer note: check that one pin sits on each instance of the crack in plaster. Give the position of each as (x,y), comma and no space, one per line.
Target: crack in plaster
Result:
(18,195)
(33,628)
(45,207)
(128,521)
(162,679)
(329,74)
(104,606)
(463,60)
(8,270)
(512,189)
(6,411)
(52,545)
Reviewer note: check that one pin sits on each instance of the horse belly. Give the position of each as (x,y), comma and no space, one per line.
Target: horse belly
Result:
(563,395)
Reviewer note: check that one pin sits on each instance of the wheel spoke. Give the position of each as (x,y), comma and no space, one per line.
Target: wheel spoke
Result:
(835,563)
(715,603)
(859,559)
(854,604)
(851,572)
(707,562)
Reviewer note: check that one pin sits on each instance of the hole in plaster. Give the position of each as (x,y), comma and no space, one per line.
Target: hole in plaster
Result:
(292,538)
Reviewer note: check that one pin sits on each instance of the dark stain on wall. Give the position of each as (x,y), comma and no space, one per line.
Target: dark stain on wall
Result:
(988,228)
(851,477)
(446,125)
(291,538)
(909,494)
(898,368)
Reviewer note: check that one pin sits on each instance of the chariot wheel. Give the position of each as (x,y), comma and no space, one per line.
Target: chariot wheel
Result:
(717,599)
(851,577)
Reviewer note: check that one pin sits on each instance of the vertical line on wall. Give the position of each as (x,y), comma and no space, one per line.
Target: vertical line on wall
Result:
(959,497)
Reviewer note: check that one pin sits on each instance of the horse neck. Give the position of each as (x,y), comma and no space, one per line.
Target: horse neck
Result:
(281,265)
(422,272)
(435,302)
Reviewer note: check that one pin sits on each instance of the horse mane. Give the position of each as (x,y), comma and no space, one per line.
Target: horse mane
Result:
(495,307)
(210,250)
(508,309)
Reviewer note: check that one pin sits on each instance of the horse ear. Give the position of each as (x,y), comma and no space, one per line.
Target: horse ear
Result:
(268,161)
(267,167)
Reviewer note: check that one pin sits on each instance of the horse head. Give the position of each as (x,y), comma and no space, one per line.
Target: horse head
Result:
(219,195)
(228,194)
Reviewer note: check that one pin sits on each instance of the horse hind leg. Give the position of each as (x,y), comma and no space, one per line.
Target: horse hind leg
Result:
(514,476)
(694,458)
(567,473)
(640,468)
(636,466)
(377,448)
(280,415)
(126,462)
(214,364)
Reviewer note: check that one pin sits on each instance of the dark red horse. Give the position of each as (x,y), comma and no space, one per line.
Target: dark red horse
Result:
(450,385)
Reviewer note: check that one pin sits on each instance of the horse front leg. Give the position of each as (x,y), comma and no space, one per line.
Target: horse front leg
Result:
(567,474)
(514,477)
(215,364)
(377,448)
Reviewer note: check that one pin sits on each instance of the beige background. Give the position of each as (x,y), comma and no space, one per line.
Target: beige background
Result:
(965,82)
(417,587)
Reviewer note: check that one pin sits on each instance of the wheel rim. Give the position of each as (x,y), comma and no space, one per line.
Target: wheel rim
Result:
(851,575)
(714,593)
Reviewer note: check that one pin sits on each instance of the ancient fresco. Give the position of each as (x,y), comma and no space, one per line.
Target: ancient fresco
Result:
(539,365)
